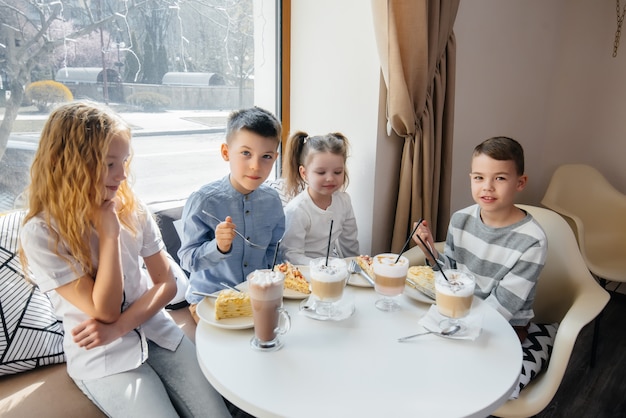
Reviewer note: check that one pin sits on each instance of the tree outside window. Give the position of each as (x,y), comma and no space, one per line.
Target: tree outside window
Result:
(135,44)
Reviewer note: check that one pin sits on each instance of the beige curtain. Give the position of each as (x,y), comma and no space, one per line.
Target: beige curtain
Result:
(418,58)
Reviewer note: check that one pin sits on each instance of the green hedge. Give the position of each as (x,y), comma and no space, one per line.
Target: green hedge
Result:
(46,93)
(149,101)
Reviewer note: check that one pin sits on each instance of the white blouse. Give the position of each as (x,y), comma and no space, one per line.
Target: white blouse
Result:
(50,271)
(307,227)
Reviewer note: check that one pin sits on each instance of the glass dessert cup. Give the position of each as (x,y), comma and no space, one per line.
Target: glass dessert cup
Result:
(389,280)
(328,279)
(271,320)
(331,311)
(387,304)
(454,293)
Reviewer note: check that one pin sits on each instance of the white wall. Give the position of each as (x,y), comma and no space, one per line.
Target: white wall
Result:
(541,72)
(588,109)
(335,86)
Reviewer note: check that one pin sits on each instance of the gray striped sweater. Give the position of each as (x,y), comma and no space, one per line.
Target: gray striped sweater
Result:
(505,261)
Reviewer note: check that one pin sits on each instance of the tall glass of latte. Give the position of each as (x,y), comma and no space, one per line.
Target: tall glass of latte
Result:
(328,279)
(270,319)
(454,294)
(389,279)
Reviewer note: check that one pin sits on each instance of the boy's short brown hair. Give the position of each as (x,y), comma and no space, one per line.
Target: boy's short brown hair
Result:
(254,119)
(502,148)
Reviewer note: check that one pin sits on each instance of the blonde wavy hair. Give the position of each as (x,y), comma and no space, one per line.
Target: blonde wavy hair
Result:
(67,177)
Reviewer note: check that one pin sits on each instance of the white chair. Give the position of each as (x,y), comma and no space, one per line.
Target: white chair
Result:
(596,211)
(568,294)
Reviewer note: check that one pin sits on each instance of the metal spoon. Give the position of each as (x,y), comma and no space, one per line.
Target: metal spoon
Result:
(226,285)
(208,295)
(307,305)
(452,329)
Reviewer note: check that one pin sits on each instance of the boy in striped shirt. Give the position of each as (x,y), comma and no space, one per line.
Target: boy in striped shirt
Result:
(500,244)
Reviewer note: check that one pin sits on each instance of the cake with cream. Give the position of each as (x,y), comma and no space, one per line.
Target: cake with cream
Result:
(232,304)
(294,279)
(422,278)
(365,262)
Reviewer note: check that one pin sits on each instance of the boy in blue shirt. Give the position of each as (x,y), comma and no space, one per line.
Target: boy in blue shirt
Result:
(210,250)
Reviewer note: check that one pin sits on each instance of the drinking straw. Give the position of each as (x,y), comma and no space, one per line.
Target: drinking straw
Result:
(276,253)
(408,240)
(432,255)
(329,236)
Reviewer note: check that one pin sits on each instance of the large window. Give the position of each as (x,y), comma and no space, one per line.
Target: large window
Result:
(173,68)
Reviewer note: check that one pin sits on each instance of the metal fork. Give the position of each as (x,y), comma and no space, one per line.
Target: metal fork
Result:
(354,268)
(246,240)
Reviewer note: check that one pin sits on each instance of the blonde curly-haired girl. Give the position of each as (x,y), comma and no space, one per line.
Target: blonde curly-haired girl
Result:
(84,240)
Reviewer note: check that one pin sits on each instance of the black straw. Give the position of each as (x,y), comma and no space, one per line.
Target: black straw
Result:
(330,234)
(276,253)
(408,240)
(432,256)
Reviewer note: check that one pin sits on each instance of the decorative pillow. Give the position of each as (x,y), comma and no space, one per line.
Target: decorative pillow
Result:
(279,186)
(30,335)
(536,348)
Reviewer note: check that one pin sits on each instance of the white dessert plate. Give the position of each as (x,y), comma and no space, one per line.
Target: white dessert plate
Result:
(206,312)
(357,280)
(287,293)
(417,295)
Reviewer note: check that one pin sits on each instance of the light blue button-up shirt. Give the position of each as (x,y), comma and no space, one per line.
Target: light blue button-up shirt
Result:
(258,216)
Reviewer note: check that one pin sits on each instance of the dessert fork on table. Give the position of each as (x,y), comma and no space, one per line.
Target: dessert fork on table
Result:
(354,268)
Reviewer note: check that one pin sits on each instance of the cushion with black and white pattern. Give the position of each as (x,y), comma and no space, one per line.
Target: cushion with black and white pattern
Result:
(30,334)
(279,185)
(536,348)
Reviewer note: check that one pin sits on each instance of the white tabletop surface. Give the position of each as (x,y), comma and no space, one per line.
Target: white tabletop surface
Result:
(356,367)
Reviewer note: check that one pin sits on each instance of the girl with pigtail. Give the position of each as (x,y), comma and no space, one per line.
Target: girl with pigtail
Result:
(316,177)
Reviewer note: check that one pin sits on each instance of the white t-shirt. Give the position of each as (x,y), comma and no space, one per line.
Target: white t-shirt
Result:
(307,227)
(51,271)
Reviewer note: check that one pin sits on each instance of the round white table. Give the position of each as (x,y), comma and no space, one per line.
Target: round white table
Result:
(356,367)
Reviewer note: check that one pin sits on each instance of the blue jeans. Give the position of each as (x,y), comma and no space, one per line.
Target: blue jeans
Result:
(169,384)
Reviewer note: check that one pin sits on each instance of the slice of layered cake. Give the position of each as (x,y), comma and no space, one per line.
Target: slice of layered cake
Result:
(294,279)
(422,278)
(365,262)
(231,304)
